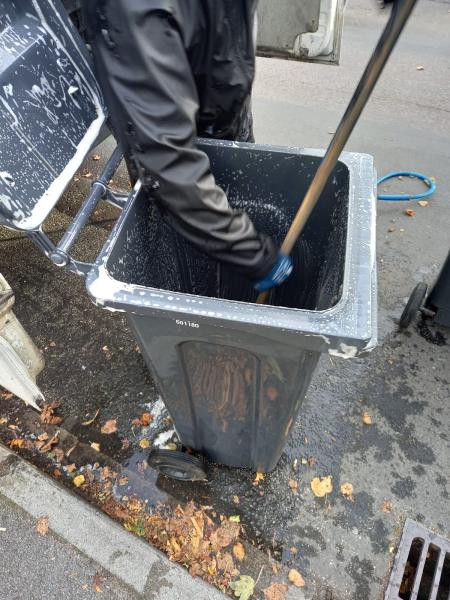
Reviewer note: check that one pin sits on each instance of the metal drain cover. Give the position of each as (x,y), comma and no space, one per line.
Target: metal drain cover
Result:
(422,566)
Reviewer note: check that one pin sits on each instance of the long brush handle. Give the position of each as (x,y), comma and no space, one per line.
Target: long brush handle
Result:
(399,16)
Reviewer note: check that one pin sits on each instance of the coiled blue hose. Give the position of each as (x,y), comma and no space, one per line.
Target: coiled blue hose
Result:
(431,186)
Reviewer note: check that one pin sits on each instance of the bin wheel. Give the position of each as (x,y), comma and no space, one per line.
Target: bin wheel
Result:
(177,465)
(413,305)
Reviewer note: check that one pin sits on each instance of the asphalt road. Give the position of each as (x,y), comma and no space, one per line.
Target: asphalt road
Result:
(344,548)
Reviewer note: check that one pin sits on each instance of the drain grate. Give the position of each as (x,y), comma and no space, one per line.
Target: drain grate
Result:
(422,566)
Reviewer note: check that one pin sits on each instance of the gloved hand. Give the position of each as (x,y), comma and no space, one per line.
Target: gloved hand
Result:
(279,273)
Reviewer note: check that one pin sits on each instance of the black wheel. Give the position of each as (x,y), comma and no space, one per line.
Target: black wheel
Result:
(177,465)
(413,305)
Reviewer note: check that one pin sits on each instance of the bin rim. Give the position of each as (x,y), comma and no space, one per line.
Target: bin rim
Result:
(346,329)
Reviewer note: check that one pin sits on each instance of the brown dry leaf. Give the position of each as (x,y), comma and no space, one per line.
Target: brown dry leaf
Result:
(51,442)
(409,212)
(321,486)
(293,485)
(236,499)
(311,461)
(145,419)
(13,427)
(78,480)
(295,578)
(347,491)
(3,420)
(144,444)
(276,591)
(48,415)
(238,551)
(293,550)
(423,203)
(87,175)
(16,443)
(109,427)
(96,157)
(95,446)
(367,418)
(42,525)
(136,422)
(6,395)
(71,468)
(225,563)
(224,535)
(387,506)
(123,480)
(90,421)
(56,473)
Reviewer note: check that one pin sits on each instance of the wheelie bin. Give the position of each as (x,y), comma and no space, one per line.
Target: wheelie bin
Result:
(233,374)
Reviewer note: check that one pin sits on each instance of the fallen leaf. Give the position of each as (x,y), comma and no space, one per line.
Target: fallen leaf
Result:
(387,506)
(225,563)
(13,427)
(123,480)
(276,591)
(58,454)
(347,491)
(420,68)
(3,420)
(144,444)
(78,480)
(6,395)
(224,535)
(367,418)
(87,175)
(90,421)
(295,578)
(423,203)
(410,212)
(275,568)
(258,477)
(321,486)
(56,473)
(293,485)
(236,499)
(145,419)
(125,443)
(48,415)
(95,446)
(109,427)
(42,525)
(71,468)
(243,587)
(235,519)
(97,583)
(51,442)
(293,550)
(96,157)
(238,551)
(16,443)
(311,461)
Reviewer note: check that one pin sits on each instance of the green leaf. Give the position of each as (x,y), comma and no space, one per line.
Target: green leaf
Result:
(243,587)
(235,519)
(137,528)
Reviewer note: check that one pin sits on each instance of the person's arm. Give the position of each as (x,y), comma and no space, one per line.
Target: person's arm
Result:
(149,76)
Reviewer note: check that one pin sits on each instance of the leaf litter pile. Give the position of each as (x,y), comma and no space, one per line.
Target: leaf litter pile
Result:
(191,535)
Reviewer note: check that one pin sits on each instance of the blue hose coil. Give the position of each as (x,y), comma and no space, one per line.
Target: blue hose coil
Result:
(398,197)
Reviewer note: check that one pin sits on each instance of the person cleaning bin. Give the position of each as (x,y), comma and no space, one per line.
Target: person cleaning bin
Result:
(170,72)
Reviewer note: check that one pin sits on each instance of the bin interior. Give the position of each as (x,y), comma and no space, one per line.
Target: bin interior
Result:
(269,185)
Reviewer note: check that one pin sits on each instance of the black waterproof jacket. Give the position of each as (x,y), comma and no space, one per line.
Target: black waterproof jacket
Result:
(171,70)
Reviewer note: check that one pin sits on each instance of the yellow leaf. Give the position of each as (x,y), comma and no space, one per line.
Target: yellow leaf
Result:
(347,491)
(321,486)
(96,157)
(235,519)
(144,444)
(367,418)
(110,426)
(78,480)
(42,525)
(243,587)
(259,477)
(95,446)
(295,578)
(238,551)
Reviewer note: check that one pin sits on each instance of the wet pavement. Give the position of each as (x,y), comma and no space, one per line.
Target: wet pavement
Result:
(399,464)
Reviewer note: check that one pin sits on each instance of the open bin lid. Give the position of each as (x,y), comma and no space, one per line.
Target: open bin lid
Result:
(51,109)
